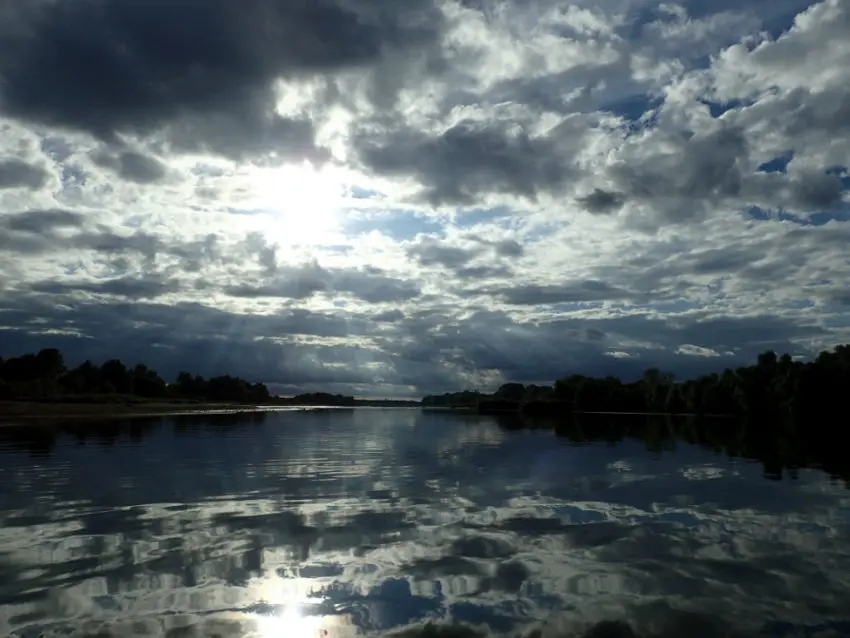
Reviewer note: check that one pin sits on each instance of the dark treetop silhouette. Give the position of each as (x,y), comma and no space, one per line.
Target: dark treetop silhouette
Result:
(43,376)
(774,385)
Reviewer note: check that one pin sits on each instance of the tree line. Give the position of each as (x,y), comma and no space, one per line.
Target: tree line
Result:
(44,376)
(774,384)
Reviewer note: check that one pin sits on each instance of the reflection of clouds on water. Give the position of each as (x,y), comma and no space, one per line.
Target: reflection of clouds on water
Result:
(369,525)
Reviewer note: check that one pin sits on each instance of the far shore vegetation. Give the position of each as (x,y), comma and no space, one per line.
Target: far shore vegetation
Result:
(41,384)
(774,385)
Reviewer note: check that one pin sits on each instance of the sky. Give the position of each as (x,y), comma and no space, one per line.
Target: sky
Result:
(390,198)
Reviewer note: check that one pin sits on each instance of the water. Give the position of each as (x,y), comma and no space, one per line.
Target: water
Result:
(343,523)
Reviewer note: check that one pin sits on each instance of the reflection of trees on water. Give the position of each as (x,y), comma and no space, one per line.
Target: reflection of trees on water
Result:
(39,437)
(423,545)
(782,446)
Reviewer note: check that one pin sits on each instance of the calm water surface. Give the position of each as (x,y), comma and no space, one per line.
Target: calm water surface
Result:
(374,522)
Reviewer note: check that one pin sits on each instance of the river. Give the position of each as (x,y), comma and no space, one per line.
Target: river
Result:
(376,522)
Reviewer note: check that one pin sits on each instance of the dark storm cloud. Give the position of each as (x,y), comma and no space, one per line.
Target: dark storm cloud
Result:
(543,351)
(41,221)
(269,348)
(35,232)
(509,248)
(148,287)
(466,161)
(698,171)
(721,260)
(601,201)
(484,272)
(295,288)
(389,316)
(431,251)
(38,232)
(582,291)
(816,191)
(133,166)
(108,242)
(15,173)
(702,168)
(371,285)
(429,350)
(206,66)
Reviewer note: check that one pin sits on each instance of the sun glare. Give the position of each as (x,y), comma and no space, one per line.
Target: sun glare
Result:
(290,613)
(290,623)
(303,202)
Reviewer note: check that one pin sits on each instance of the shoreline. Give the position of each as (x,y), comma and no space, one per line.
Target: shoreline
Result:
(21,412)
(16,413)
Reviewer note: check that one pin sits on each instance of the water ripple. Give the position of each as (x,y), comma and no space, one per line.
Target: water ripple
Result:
(400,522)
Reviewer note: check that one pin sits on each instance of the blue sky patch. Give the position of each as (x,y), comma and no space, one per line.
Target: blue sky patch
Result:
(358,192)
(633,107)
(473,217)
(399,224)
(815,219)
(72,175)
(777,164)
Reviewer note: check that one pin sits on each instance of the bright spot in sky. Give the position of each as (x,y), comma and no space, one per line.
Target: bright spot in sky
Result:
(303,202)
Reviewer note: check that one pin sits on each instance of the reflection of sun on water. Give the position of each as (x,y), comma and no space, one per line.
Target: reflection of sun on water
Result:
(292,612)
(290,623)
(303,202)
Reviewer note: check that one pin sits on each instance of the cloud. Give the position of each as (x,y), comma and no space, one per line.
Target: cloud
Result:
(430,251)
(133,166)
(204,69)
(15,173)
(384,199)
(369,285)
(696,351)
(389,316)
(35,232)
(509,248)
(583,291)
(127,287)
(38,221)
(468,256)
(601,201)
(466,161)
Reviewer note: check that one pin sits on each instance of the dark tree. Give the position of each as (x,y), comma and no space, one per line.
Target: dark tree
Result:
(44,376)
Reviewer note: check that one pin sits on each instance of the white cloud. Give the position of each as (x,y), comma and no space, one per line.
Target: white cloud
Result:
(522,166)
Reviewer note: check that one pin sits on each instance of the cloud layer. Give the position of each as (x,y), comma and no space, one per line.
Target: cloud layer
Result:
(379,199)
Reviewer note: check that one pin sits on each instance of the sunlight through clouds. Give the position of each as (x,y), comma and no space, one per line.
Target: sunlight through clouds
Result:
(304,203)
(460,184)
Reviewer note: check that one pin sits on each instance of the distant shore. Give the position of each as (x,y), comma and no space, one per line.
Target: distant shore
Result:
(18,411)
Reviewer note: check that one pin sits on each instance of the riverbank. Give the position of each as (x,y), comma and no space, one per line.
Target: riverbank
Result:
(101,408)
(15,412)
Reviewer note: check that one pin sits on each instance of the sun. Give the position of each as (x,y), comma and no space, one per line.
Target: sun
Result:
(302,202)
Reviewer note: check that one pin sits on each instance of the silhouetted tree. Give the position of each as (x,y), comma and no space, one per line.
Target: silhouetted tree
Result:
(774,385)
(43,375)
